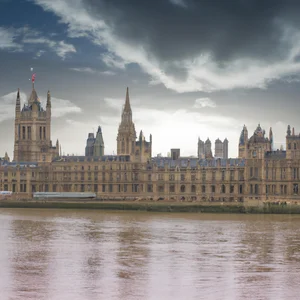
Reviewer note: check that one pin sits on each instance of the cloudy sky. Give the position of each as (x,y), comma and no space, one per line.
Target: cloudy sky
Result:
(194,68)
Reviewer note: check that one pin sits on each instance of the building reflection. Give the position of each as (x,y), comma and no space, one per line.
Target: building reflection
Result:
(30,258)
(132,259)
(92,262)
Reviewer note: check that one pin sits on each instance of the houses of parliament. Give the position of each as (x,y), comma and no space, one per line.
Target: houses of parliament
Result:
(260,172)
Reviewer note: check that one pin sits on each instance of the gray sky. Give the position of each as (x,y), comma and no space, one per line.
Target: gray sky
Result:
(194,68)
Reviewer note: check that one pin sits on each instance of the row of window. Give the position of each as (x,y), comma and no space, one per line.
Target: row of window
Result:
(254,188)
(26,131)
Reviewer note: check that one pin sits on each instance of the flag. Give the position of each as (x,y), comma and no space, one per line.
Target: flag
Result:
(33,77)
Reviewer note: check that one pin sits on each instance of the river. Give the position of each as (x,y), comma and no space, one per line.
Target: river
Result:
(81,254)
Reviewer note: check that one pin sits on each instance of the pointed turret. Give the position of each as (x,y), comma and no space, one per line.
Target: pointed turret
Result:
(99,144)
(48,105)
(18,103)
(271,137)
(288,132)
(141,135)
(33,97)
(127,107)
(6,157)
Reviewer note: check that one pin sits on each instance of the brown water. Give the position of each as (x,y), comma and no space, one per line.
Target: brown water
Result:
(76,254)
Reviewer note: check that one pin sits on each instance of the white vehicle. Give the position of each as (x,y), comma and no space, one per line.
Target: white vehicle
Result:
(6,193)
(63,195)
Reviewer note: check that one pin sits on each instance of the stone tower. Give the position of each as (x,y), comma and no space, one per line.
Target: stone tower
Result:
(99,143)
(243,143)
(225,148)
(207,147)
(33,130)
(201,149)
(271,139)
(126,134)
(218,148)
(89,149)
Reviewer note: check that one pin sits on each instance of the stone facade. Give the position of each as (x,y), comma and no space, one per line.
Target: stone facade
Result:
(259,173)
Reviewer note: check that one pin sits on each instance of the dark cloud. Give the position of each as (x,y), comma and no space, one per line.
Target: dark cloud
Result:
(225,29)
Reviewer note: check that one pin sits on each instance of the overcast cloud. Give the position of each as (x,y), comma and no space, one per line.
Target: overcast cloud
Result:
(194,68)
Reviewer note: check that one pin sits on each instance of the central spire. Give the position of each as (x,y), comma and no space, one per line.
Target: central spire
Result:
(127,107)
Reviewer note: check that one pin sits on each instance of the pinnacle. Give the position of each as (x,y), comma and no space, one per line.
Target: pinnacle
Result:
(127,107)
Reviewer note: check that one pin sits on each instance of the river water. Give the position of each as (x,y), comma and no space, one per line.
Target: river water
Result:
(79,254)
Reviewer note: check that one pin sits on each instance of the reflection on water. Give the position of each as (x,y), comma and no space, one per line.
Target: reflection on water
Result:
(65,254)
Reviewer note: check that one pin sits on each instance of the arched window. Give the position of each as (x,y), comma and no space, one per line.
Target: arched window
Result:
(223,189)
(123,146)
(193,189)
(256,189)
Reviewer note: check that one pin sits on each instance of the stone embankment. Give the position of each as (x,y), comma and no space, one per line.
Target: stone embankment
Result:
(159,206)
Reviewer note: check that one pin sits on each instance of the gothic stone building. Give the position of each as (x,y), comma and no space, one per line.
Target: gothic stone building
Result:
(258,174)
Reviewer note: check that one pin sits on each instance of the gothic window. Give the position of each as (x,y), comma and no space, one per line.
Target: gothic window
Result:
(223,189)
(193,189)
(149,188)
(123,146)
(29,133)
(23,133)
(172,188)
(161,188)
(241,189)
(295,188)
